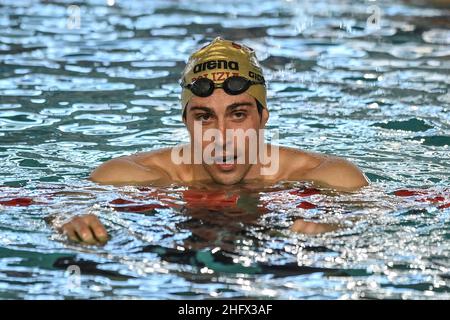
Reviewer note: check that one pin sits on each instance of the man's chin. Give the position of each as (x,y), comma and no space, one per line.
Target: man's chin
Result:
(226,178)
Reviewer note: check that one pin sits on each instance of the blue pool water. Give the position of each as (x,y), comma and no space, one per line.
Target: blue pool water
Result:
(365,80)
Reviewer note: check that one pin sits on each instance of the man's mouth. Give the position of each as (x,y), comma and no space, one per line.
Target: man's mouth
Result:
(225,163)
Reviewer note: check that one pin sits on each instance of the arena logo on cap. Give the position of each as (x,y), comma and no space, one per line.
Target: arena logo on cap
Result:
(216,64)
(256,76)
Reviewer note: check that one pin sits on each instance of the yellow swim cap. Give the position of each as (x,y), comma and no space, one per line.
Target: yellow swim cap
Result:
(219,60)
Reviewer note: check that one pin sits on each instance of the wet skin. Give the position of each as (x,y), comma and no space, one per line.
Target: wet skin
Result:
(219,111)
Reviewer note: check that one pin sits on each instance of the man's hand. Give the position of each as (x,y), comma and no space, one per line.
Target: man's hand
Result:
(86,229)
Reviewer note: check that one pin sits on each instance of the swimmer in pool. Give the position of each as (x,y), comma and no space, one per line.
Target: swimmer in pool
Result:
(224,109)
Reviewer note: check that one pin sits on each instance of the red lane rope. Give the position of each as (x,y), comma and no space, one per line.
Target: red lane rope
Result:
(17,202)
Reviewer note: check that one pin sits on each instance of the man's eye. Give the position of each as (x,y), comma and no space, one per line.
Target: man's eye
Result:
(239,115)
(203,117)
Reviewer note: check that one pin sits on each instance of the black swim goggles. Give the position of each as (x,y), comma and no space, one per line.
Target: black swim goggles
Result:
(204,87)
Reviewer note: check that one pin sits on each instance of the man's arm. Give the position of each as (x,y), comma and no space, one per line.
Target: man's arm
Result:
(338,173)
(87,228)
(124,170)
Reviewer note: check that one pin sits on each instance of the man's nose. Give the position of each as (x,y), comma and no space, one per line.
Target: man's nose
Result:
(223,127)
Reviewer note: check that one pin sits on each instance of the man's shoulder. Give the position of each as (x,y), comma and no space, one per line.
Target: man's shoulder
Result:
(338,173)
(151,158)
(324,169)
(135,168)
(298,161)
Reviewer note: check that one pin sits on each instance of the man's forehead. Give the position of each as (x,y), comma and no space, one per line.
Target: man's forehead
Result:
(218,108)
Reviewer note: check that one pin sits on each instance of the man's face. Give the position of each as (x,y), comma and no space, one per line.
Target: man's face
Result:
(223,113)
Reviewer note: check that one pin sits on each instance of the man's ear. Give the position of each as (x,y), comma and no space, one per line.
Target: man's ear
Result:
(184,115)
(264,117)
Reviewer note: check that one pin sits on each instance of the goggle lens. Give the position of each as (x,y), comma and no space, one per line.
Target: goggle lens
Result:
(236,85)
(203,87)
